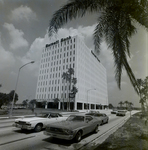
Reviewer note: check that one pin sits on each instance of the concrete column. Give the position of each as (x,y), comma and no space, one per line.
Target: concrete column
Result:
(89,106)
(34,106)
(46,105)
(82,106)
(75,107)
(95,106)
(59,105)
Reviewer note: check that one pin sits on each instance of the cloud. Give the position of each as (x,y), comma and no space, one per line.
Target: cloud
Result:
(17,39)
(6,58)
(1,1)
(23,13)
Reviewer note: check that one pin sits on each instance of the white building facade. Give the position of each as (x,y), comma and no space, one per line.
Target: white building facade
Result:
(58,57)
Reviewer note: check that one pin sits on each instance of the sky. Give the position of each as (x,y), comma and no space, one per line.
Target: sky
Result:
(23,35)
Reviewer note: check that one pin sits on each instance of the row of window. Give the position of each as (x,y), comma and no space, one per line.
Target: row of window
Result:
(46,54)
(58,62)
(51,57)
(51,96)
(44,71)
(56,88)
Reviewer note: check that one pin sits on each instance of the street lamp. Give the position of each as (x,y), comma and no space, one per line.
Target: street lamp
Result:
(87,96)
(16,85)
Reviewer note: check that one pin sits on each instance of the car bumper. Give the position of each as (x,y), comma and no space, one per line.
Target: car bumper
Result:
(59,136)
(22,126)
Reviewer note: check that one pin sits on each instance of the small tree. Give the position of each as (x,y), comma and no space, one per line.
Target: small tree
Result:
(56,100)
(110,106)
(25,103)
(44,103)
(32,104)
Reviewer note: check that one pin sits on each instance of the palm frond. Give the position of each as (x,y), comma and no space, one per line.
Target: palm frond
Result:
(131,76)
(72,10)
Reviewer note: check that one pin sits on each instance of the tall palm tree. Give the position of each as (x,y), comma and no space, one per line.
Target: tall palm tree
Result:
(116,24)
(142,100)
(121,103)
(126,103)
(64,76)
(130,104)
(145,91)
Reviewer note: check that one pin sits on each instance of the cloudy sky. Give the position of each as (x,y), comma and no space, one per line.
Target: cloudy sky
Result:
(23,35)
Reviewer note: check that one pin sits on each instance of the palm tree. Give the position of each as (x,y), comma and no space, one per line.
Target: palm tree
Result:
(121,103)
(130,104)
(25,102)
(126,103)
(116,24)
(64,76)
(142,100)
(144,91)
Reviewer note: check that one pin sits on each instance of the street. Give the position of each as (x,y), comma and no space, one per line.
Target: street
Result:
(12,138)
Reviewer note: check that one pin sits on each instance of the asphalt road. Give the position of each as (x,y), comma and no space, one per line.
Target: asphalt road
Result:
(12,138)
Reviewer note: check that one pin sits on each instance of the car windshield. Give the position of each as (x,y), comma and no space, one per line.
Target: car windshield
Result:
(53,115)
(75,118)
(43,115)
(99,115)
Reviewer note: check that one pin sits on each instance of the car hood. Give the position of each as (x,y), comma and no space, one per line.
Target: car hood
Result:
(68,124)
(30,119)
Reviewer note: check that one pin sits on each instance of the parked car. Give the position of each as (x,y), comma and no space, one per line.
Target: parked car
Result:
(39,122)
(74,127)
(121,113)
(114,111)
(103,117)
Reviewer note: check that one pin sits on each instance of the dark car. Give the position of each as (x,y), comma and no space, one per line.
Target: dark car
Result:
(103,117)
(74,127)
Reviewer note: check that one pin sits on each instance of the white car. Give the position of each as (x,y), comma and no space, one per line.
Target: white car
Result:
(39,122)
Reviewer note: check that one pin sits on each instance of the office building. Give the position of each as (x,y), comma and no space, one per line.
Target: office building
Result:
(57,58)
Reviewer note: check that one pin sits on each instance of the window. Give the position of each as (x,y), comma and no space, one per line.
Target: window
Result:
(88,118)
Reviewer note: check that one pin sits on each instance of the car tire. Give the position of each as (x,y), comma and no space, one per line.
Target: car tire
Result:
(78,136)
(96,129)
(38,128)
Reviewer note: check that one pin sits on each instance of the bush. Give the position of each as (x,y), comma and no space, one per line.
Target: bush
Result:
(3,112)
